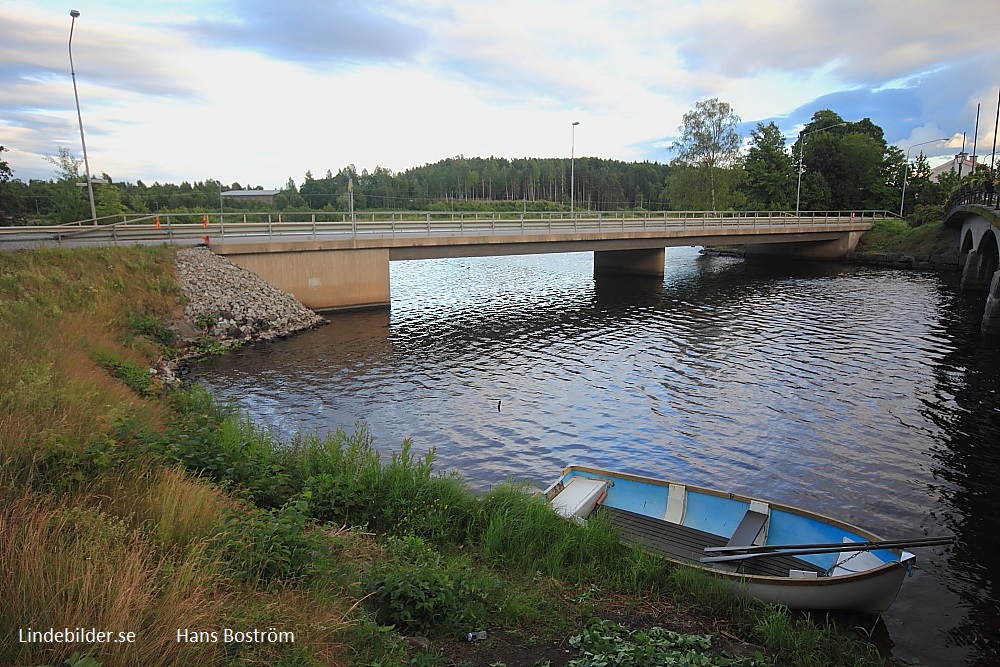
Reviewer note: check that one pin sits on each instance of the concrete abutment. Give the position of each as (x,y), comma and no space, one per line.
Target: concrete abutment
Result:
(324,279)
(834,249)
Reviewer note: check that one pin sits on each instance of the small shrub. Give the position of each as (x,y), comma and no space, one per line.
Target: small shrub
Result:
(262,546)
(419,592)
(136,377)
(349,485)
(63,464)
(204,321)
(925,213)
(148,325)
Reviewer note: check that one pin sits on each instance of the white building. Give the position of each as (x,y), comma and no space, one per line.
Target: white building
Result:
(963,163)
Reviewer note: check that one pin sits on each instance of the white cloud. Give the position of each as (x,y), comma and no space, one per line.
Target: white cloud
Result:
(275,94)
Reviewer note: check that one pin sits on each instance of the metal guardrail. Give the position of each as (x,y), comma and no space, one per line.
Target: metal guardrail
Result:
(180,227)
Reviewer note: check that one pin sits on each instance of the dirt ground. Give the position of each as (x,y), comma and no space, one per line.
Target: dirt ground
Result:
(521,647)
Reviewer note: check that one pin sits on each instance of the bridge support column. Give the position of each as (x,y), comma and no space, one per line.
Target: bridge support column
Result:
(324,279)
(645,261)
(978,271)
(991,315)
(823,250)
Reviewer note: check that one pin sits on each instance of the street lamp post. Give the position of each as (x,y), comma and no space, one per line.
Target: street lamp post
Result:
(802,143)
(906,168)
(572,168)
(83,143)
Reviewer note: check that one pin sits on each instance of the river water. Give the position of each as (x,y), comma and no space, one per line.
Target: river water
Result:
(863,393)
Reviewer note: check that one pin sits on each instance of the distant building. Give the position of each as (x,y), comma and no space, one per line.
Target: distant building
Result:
(962,164)
(265,196)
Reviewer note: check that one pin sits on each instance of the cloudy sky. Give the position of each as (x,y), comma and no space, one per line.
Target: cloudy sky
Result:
(259,90)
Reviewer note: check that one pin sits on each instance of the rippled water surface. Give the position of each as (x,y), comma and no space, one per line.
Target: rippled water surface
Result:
(861,393)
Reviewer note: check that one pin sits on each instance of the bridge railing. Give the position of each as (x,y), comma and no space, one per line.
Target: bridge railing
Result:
(178,227)
(983,195)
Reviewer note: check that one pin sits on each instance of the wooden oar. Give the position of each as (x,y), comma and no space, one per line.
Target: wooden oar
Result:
(867,546)
(847,546)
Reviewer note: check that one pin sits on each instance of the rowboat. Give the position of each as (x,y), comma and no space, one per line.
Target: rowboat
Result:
(773,552)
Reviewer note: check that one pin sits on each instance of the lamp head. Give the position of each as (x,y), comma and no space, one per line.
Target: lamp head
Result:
(576,122)
(74,13)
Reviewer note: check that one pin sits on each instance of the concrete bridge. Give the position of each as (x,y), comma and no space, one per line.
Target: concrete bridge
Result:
(331,261)
(977,214)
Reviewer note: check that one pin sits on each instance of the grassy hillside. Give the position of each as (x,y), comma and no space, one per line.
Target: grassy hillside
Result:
(897,236)
(127,507)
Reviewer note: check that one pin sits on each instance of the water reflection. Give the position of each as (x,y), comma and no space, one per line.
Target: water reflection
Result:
(855,392)
(965,409)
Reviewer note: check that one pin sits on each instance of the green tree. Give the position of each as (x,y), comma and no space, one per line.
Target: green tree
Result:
(919,188)
(12,207)
(860,170)
(709,142)
(770,171)
(69,201)
(108,199)
(690,188)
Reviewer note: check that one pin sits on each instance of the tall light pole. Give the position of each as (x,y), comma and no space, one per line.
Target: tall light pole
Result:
(902,198)
(83,143)
(802,143)
(572,168)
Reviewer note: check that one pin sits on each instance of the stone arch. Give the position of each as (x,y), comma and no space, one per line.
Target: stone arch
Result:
(968,242)
(982,262)
(989,251)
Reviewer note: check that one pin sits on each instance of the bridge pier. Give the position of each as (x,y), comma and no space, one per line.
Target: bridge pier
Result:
(323,279)
(978,271)
(991,314)
(644,261)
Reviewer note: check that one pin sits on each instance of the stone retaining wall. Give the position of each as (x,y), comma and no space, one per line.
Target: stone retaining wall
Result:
(895,260)
(944,262)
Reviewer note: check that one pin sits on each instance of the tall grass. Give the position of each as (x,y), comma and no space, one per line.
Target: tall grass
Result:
(68,567)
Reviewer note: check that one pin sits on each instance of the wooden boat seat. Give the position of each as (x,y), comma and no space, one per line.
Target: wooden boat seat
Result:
(748,530)
(578,498)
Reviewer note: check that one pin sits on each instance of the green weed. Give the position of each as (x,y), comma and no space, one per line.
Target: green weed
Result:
(261,546)
(608,644)
(419,591)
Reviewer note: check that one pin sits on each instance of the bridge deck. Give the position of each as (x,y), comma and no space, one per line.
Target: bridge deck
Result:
(330,231)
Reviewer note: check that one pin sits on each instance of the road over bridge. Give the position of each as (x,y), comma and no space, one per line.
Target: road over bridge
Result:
(330,261)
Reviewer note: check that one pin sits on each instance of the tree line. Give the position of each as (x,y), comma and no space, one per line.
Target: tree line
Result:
(844,166)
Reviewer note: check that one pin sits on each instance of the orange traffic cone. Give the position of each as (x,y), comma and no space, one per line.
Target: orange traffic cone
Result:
(157,222)
(204,220)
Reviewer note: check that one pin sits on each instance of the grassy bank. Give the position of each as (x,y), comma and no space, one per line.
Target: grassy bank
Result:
(129,507)
(899,236)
